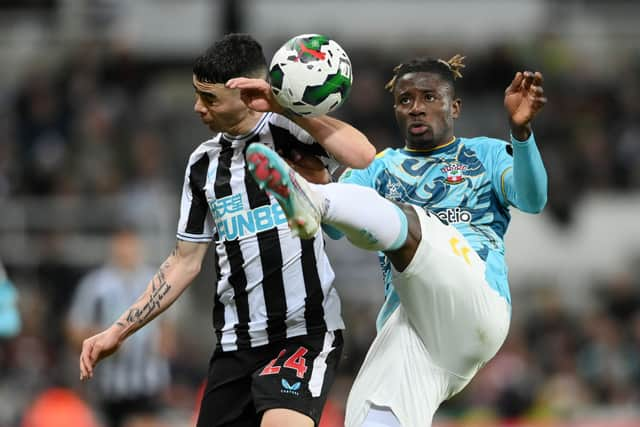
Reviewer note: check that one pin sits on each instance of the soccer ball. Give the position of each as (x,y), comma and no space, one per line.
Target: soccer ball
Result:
(310,75)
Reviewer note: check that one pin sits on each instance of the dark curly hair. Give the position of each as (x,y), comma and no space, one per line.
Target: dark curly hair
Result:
(449,70)
(235,55)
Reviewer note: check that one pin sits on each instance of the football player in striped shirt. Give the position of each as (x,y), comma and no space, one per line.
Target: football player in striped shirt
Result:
(276,314)
(439,226)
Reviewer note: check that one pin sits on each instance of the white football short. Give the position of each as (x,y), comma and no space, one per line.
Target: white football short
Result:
(450,323)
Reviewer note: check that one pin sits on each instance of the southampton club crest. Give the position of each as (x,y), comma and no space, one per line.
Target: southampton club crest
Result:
(454,172)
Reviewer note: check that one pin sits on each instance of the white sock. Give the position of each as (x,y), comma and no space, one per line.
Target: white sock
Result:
(368,220)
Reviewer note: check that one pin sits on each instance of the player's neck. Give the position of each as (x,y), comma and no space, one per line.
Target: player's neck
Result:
(425,148)
(245,125)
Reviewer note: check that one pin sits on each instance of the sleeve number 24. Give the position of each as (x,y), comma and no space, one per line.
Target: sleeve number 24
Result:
(296,362)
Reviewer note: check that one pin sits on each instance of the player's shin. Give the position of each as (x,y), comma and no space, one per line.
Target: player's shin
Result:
(368,220)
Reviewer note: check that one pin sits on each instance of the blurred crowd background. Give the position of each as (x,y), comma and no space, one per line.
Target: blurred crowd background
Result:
(97,122)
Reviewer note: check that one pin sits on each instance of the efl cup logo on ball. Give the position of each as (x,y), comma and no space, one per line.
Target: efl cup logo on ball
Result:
(311,75)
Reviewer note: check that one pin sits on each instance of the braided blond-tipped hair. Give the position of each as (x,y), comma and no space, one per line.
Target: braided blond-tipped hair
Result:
(391,83)
(455,64)
(450,70)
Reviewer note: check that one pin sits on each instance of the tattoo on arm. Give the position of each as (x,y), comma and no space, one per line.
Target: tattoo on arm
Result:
(159,289)
(169,260)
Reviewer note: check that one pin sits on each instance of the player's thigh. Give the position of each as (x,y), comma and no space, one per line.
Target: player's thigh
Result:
(227,399)
(299,376)
(461,320)
(279,417)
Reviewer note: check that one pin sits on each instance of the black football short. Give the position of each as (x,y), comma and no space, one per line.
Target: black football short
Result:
(293,374)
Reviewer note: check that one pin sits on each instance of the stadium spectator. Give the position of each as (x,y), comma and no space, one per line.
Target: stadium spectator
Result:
(131,383)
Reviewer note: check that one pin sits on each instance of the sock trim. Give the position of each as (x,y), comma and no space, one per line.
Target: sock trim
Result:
(404,230)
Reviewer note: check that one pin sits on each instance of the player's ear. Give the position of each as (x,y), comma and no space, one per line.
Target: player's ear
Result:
(456,108)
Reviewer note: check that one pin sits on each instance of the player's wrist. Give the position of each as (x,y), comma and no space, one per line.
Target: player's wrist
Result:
(516,141)
(277,108)
(521,133)
(119,331)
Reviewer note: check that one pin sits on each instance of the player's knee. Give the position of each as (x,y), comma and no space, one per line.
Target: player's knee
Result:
(402,257)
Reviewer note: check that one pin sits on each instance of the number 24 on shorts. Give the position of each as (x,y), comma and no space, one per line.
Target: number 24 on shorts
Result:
(296,362)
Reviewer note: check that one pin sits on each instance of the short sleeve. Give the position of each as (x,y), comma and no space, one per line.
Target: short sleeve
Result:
(196,222)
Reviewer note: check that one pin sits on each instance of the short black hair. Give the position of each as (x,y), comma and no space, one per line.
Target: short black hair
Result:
(235,55)
(449,70)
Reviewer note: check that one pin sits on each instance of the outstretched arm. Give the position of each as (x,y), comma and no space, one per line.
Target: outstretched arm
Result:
(526,186)
(345,143)
(173,277)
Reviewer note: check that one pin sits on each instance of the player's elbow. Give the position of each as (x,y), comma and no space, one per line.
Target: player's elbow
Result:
(533,210)
(192,269)
(188,268)
(370,155)
(536,205)
(365,157)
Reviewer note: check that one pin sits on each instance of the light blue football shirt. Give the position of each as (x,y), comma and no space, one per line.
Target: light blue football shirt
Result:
(469,183)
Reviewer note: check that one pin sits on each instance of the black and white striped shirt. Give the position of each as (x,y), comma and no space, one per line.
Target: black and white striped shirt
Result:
(270,285)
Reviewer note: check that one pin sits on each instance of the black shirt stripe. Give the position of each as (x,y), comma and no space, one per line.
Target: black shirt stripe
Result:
(314,312)
(237,277)
(284,142)
(271,260)
(199,206)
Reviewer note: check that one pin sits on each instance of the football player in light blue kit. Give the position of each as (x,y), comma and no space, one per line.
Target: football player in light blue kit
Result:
(440,229)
